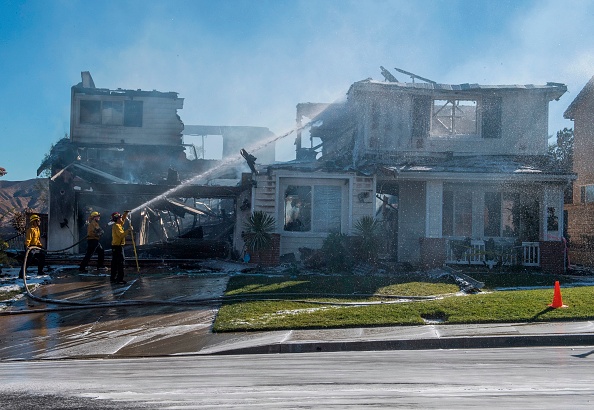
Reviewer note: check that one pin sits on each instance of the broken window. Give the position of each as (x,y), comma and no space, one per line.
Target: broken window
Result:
(313,208)
(454,117)
(133,114)
(90,112)
(298,208)
(491,117)
(128,113)
(112,113)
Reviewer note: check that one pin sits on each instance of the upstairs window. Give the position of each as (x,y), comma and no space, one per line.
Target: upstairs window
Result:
(454,117)
(90,112)
(123,113)
(133,114)
(112,113)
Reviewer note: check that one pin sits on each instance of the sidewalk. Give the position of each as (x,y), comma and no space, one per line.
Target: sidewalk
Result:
(501,335)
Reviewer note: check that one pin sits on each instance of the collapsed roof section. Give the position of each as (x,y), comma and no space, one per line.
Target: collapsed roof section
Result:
(385,121)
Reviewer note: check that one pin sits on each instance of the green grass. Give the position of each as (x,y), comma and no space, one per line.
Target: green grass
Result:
(314,301)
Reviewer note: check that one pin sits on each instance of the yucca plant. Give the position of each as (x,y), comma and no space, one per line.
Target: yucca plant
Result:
(258,231)
(367,229)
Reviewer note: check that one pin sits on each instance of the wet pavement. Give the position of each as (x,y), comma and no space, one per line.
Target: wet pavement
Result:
(170,311)
(154,314)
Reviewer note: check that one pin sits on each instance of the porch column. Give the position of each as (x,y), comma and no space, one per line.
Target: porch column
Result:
(433,206)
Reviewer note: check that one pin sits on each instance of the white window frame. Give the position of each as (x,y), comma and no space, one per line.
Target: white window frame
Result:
(285,182)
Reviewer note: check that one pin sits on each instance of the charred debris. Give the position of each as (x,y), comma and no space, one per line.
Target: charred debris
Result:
(127,150)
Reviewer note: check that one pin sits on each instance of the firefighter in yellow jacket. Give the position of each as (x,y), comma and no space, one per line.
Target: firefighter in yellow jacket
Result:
(94,233)
(118,240)
(33,239)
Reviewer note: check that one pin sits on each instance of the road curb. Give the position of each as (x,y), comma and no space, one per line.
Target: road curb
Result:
(475,342)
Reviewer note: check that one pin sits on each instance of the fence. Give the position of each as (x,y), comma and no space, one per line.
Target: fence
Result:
(463,252)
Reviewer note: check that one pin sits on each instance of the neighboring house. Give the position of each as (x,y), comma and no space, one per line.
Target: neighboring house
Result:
(456,174)
(581,211)
(126,150)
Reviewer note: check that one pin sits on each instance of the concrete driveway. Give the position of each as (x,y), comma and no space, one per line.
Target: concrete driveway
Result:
(156,313)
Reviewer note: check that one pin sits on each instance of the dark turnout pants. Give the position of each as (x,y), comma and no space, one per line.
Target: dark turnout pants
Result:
(93,246)
(117,263)
(35,257)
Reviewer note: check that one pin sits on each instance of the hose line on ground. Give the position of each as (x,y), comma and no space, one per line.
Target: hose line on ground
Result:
(74,305)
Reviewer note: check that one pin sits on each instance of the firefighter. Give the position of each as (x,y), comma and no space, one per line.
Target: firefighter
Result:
(33,238)
(94,233)
(118,240)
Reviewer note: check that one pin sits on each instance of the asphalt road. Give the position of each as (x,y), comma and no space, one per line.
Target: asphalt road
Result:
(528,378)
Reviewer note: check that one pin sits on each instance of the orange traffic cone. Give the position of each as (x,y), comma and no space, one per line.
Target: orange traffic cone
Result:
(557,300)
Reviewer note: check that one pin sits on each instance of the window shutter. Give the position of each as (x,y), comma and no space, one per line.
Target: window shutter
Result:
(421,120)
(491,124)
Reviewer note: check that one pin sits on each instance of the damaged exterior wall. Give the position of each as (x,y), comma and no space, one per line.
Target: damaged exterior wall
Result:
(126,149)
(464,163)
(254,139)
(395,118)
(100,116)
(349,195)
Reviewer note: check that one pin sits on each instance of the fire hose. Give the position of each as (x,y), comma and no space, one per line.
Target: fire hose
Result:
(76,305)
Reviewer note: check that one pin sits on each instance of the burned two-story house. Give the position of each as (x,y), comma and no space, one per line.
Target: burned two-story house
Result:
(127,151)
(455,174)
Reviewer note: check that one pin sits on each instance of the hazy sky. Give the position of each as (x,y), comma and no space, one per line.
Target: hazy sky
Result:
(241,62)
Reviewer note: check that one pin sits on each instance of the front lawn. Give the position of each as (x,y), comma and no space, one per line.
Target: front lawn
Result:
(260,302)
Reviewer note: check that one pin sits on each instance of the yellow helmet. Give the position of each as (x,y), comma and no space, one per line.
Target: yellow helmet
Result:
(34,218)
(94,214)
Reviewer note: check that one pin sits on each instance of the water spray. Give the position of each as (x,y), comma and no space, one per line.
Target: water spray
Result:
(224,162)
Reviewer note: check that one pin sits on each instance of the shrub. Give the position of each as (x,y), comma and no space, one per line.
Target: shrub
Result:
(336,252)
